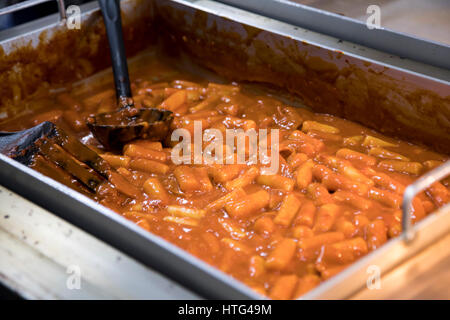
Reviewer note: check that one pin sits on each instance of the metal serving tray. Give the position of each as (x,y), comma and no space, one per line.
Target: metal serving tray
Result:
(207,21)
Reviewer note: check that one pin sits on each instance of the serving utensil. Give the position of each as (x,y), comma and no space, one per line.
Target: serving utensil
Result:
(55,145)
(114,129)
(51,146)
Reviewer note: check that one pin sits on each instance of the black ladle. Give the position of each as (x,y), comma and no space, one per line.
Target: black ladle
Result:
(114,129)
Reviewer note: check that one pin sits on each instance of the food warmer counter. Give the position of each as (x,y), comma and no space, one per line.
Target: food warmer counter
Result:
(407,99)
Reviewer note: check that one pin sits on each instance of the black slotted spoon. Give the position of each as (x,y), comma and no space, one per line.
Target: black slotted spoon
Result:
(114,129)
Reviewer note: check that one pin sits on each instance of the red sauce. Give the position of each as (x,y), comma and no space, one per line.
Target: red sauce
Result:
(335,198)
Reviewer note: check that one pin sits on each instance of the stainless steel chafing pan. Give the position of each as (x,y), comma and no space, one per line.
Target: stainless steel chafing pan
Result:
(328,75)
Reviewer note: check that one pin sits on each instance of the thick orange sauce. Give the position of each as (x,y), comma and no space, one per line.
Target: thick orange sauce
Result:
(337,195)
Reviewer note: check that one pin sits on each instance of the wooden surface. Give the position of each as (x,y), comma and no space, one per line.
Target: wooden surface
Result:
(425,276)
(37,249)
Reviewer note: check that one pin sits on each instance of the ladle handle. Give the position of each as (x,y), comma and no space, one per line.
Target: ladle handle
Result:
(113,23)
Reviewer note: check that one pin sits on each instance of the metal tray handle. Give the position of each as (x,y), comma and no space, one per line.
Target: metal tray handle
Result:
(32,3)
(413,189)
